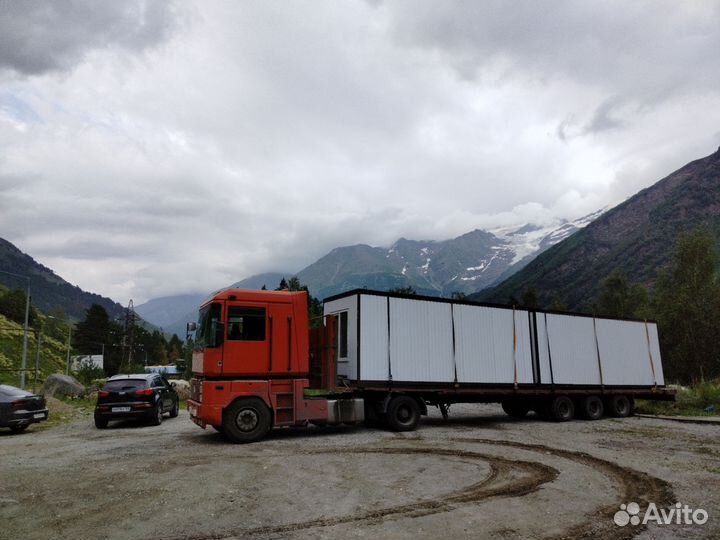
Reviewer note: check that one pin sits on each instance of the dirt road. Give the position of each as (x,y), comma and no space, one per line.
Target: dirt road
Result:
(478,475)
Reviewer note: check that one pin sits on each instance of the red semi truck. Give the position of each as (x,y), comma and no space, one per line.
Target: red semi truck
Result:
(384,357)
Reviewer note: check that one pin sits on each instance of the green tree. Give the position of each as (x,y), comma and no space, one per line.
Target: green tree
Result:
(687,306)
(283,285)
(529,299)
(12,305)
(619,297)
(403,290)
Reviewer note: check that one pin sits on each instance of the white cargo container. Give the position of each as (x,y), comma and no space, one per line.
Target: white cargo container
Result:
(407,339)
(442,351)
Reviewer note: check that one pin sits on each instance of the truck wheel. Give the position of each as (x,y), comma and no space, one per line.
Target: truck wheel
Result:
(591,408)
(619,406)
(403,413)
(560,409)
(517,408)
(246,420)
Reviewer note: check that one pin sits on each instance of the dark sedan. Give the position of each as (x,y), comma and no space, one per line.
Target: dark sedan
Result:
(145,396)
(19,408)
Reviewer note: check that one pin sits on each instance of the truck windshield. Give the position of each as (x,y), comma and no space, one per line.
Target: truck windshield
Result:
(207,321)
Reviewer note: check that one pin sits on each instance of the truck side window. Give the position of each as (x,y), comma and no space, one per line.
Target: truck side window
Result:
(343,337)
(246,324)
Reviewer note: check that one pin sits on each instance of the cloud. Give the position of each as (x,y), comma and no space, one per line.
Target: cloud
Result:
(257,136)
(38,37)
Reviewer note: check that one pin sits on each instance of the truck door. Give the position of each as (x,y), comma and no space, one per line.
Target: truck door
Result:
(247,348)
(281,330)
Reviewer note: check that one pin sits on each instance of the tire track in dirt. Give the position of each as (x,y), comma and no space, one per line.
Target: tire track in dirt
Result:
(507,478)
(635,486)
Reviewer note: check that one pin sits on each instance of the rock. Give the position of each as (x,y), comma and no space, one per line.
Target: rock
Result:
(63,385)
(182,387)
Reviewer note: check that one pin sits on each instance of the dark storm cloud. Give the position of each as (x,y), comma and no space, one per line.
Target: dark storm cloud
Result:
(37,37)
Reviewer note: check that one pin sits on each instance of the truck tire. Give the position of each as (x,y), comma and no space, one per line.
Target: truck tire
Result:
(517,408)
(560,409)
(403,413)
(591,408)
(246,420)
(619,406)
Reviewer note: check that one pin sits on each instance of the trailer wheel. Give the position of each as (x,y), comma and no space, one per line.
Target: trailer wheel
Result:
(591,408)
(403,413)
(517,408)
(560,409)
(619,406)
(246,420)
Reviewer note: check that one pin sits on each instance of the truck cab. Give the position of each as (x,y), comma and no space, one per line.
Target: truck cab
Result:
(251,364)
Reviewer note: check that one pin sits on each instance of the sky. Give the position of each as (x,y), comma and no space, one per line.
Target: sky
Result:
(157,148)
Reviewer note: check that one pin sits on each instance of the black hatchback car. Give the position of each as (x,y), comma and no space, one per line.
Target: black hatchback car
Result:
(145,396)
(19,408)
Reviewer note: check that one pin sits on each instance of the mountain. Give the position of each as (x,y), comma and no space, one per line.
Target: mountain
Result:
(172,313)
(465,264)
(636,236)
(49,291)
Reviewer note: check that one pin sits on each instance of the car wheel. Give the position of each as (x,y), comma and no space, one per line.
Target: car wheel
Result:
(157,416)
(246,420)
(403,413)
(19,428)
(101,423)
(175,410)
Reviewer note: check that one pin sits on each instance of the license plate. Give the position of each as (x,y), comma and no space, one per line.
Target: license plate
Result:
(39,415)
(121,409)
(193,411)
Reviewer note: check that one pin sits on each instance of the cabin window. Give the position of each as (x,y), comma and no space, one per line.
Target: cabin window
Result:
(246,324)
(343,335)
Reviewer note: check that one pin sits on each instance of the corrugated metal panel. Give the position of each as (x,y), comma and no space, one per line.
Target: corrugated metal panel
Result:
(655,350)
(421,341)
(346,367)
(374,364)
(624,353)
(484,345)
(573,349)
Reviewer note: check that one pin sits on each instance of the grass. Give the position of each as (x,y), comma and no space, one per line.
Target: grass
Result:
(690,401)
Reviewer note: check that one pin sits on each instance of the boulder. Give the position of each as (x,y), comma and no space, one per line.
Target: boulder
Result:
(63,385)
(182,387)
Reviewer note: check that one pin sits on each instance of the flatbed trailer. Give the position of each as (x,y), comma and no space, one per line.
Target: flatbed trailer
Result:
(386,357)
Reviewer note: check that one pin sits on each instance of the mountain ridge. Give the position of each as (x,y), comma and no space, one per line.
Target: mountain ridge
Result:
(637,236)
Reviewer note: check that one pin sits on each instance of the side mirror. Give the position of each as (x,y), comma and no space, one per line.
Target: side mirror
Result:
(189,329)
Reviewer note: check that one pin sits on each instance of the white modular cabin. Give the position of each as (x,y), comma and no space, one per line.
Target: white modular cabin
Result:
(408,340)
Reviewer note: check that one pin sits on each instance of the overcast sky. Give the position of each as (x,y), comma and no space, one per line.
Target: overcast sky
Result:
(155,148)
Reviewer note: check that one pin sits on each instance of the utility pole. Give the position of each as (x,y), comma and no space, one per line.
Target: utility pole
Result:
(67,361)
(37,359)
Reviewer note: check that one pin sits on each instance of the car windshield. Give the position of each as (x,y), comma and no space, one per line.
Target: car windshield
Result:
(125,385)
(208,315)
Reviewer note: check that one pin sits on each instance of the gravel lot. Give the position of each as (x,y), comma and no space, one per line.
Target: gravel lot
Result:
(478,475)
